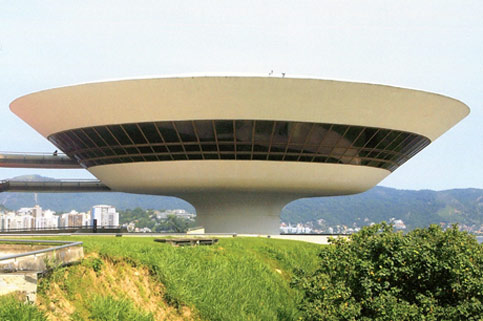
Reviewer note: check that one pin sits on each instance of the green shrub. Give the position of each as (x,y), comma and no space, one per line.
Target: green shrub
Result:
(93,263)
(12,309)
(111,309)
(378,274)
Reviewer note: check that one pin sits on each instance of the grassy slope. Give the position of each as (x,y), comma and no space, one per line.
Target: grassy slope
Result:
(237,279)
(105,289)
(12,309)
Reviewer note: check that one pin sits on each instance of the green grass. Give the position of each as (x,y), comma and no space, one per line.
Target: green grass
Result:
(111,309)
(12,309)
(236,279)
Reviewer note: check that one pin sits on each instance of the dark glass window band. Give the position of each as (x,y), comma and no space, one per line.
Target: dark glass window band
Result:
(239,140)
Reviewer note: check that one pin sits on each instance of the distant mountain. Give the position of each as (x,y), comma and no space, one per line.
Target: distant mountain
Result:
(32,178)
(415,208)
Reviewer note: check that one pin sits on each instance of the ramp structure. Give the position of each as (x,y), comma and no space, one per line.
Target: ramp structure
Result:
(37,160)
(59,186)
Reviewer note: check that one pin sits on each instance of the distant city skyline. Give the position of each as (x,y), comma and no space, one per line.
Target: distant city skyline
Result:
(31,218)
(428,45)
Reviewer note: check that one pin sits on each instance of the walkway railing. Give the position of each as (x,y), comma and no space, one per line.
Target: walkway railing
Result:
(66,186)
(64,244)
(62,229)
(37,160)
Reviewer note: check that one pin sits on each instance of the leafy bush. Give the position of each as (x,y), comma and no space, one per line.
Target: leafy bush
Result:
(378,274)
(94,263)
(12,309)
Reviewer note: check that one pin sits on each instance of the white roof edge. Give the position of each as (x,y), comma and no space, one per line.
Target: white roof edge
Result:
(238,75)
(382,92)
(233,75)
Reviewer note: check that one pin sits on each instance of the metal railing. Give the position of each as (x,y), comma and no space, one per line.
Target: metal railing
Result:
(61,229)
(64,245)
(64,185)
(37,160)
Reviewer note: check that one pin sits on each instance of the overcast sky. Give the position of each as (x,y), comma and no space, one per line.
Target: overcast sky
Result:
(435,46)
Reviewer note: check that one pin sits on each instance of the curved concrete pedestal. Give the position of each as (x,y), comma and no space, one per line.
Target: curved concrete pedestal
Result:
(244,213)
(239,196)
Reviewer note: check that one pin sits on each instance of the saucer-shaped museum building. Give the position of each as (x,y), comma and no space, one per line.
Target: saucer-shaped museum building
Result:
(239,148)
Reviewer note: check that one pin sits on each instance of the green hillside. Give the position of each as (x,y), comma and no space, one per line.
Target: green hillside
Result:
(430,274)
(415,208)
(235,279)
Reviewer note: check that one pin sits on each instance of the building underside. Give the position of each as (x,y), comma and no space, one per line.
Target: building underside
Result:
(239,148)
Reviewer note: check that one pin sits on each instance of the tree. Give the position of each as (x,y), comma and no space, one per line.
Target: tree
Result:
(174,224)
(379,274)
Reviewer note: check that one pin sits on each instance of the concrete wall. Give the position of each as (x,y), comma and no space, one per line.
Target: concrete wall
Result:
(20,274)
(10,249)
(41,262)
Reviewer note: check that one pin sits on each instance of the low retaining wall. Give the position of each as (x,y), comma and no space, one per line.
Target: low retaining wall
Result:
(10,249)
(42,261)
(21,261)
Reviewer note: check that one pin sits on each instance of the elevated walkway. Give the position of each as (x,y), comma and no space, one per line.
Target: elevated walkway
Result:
(37,160)
(59,186)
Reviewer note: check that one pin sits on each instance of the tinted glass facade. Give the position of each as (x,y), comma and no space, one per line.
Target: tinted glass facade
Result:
(239,140)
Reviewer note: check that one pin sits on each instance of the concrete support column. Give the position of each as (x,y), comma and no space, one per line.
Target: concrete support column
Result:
(243,213)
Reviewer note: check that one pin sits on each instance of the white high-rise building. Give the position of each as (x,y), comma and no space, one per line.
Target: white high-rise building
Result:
(74,219)
(37,211)
(28,218)
(7,221)
(11,221)
(46,219)
(105,215)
